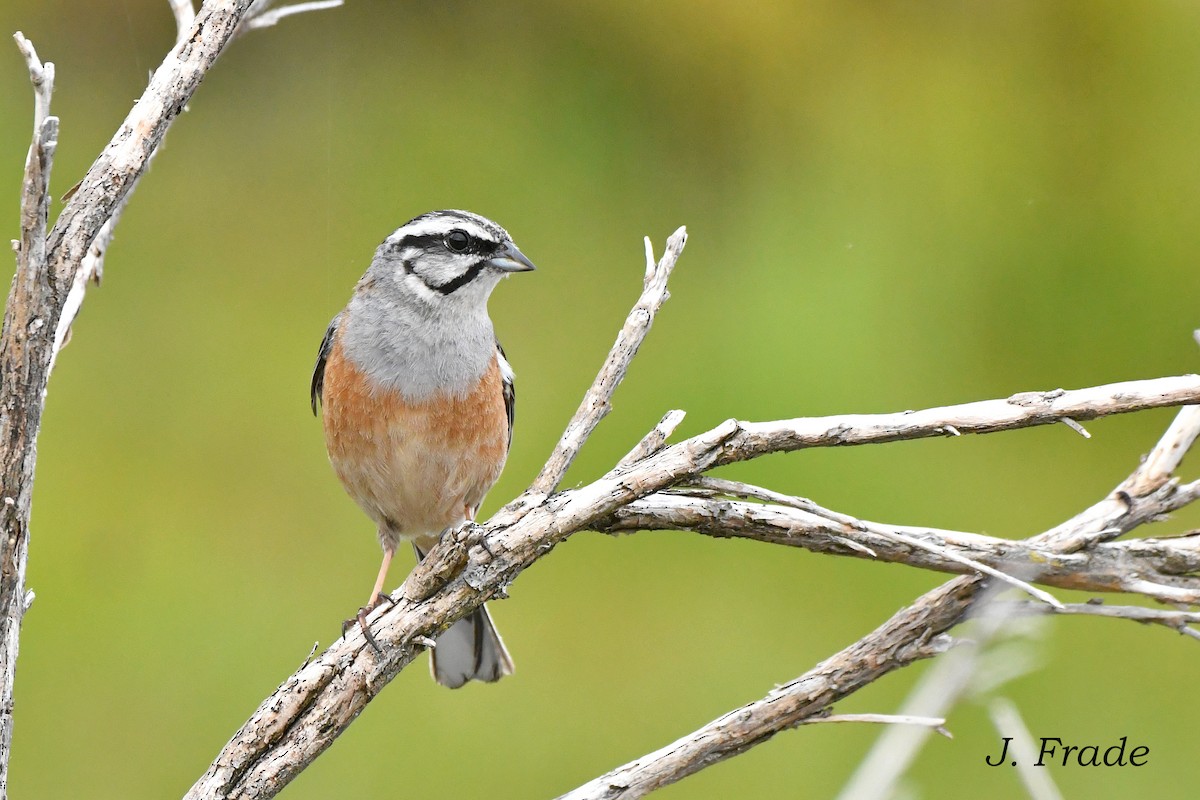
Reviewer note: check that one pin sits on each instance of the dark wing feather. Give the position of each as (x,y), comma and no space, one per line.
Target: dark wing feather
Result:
(510,392)
(318,376)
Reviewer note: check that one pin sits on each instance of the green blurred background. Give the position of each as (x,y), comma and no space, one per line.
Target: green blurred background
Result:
(891,206)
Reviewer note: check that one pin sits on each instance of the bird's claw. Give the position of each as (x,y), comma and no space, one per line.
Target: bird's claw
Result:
(361,619)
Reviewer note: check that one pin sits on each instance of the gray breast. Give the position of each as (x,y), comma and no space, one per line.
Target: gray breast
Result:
(416,353)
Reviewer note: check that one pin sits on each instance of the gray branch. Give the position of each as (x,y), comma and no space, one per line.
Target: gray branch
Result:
(24,359)
(1161,569)
(477,562)
(54,267)
(932,614)
(598,400)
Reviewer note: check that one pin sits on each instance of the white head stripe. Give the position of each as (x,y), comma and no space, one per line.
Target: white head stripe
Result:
(444,222)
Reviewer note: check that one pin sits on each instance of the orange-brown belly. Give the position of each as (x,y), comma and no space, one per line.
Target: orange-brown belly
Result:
(414,467)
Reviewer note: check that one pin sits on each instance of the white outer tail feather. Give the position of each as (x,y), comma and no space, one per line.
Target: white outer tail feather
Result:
(470,649)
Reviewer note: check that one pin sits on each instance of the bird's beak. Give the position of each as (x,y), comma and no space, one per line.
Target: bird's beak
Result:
(510,259)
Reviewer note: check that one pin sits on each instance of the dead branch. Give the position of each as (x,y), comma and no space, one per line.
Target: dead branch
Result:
(598,400)
(24,358)
(53,269)
(1143,498)
(913,633)
(1160,569)
(477,562)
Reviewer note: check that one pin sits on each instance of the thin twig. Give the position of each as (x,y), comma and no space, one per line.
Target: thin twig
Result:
(261,14)
(1075,426)
(598,400)
(42,77)
(653,441)
(1115,514)
(937,724)
(1176,620)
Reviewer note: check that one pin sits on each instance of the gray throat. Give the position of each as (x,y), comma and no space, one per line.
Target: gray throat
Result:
(418,353)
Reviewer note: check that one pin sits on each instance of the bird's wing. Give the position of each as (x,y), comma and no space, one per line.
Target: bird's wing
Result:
(510,392)
(318,376)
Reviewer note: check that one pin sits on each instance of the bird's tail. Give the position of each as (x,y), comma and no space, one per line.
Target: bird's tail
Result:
(470,649)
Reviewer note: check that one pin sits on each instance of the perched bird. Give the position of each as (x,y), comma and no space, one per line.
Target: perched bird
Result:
(417,403)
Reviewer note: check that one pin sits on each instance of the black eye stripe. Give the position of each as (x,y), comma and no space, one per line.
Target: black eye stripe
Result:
(432,241)
(481,249)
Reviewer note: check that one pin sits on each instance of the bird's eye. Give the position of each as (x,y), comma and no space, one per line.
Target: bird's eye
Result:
(457,241)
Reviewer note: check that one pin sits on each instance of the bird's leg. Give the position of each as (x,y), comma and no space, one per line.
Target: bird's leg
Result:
(469,512)
(377,598)
(377,595)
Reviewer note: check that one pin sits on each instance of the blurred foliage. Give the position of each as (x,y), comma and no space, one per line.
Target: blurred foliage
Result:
(891,205)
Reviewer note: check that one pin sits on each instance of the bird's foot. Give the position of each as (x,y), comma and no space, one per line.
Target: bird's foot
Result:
(361,619)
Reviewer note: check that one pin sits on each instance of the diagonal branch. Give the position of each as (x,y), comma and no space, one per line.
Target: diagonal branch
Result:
(1117,513)
(20,397)
(91,269)
(53,269)
(913,633)
(477,562)
(598,400)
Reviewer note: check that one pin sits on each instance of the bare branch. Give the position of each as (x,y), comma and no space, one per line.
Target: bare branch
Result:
(1115,514)
(262,15)
(127,155)
(746,490)
(1161,569)
(1178,621)
(91,269)
(936,693)
(653,441)
(53,269)
(936,723)
(690,754)
(597,402)
(1167,454)
(472,564)
(912,634)
(24,329)
(1022,410)
(42,77)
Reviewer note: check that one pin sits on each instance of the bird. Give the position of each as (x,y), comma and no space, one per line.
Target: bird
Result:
(416,399)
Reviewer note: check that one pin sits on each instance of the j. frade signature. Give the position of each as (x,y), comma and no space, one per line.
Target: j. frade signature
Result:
(1055,751)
